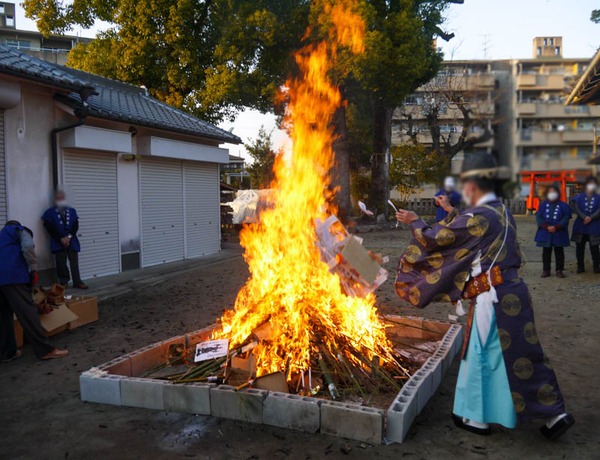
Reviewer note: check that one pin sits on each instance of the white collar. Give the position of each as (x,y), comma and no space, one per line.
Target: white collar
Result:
(490,196)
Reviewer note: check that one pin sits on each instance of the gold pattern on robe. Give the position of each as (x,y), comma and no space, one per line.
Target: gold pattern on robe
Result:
(461,254)
(547,362)
(414,295)
(401,289)
(546,395)
(505,339)
(530,333)
(442,297)
(412,254)
(518,402)
(477,225)
(434,277)
(523,368)
(511,304)
(460,279)
(494,248)
(418,234)
(436,260)
(445,237)
(406,267)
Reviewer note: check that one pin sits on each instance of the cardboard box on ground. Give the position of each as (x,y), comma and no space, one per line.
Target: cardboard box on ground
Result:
(63,312)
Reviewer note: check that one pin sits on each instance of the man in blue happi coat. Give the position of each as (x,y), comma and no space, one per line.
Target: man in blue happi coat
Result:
(586,228)
(18,274)
(62,223)
(453,196)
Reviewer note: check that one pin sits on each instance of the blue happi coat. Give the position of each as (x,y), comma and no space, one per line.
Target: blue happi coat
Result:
(587,206)
(454,198)
(13,266)
(557,215)
(63,228)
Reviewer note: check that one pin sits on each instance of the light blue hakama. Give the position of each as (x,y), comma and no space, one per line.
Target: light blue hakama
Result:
(482,390)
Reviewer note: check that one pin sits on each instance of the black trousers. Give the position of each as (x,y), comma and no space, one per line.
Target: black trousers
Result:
(61,266)
(17,299)
(580,251)
(559,254)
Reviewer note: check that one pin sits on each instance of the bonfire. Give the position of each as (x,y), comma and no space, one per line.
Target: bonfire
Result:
(295,318)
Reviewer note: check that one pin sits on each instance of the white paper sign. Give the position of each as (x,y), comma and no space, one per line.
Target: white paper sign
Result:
(211,349)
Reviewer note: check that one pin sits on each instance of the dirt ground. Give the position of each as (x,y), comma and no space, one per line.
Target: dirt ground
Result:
(41,415)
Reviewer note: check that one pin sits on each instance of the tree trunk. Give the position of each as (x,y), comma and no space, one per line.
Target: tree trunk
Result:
(382,140)
(340,173)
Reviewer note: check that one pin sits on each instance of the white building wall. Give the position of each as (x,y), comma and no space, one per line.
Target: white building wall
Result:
(29,165)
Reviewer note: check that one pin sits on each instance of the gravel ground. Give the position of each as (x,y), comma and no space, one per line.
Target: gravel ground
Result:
(42,417)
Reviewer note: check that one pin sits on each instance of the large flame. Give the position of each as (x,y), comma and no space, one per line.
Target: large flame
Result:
(290,285)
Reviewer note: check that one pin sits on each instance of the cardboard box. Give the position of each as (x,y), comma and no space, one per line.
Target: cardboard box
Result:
(85,307)
(57,320)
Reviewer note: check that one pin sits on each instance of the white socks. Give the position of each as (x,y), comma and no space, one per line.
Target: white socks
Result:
(474,424)
(551,422)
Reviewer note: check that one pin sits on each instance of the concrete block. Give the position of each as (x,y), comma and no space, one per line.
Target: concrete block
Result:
(434,366)
(104,389)
(146,393)
(401,415)
(191,398)
(352,422)
(245,405)
(424,380)
(201,335)
(119,366)
(151,356)
(291,411)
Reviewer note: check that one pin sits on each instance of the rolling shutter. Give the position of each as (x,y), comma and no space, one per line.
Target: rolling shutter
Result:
(161,185)
(201,208)
(91,181)
(3,212)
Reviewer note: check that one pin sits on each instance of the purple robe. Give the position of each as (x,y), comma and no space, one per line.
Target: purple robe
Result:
(436,266)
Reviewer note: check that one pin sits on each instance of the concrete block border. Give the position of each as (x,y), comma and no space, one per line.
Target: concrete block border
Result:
(119,382)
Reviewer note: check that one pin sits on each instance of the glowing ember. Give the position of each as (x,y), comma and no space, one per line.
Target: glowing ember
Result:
(290,286)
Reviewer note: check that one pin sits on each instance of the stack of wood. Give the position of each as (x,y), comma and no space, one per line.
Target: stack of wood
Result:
(338,372)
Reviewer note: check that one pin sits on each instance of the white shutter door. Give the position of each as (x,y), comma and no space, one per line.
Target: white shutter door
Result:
(201,208)
(3,213)
(91,181)
(161,185)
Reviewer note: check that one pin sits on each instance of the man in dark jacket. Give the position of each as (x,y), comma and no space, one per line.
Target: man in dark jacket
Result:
(18,273)
(62,224)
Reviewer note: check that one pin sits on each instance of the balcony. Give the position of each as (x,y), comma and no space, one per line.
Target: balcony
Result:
(553,164)
(530,138)
(556,110)
(540,82)
(475,82)
(425,139)
(578,136)
(481,109)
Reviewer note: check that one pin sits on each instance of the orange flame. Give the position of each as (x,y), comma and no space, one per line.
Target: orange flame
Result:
(290,285)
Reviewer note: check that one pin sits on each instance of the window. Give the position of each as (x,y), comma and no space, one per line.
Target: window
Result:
(1,8)
(539,50)
(10,21)
(545,42)
(19,44)
(557,50)
(551,42)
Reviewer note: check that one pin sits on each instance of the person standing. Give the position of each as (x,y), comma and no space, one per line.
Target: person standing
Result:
(453,196)
(552,219)
(504,376)
(586,228)
(18,273)
(62,224)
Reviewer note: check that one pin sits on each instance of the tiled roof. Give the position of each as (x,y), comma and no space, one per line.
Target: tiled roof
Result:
(110,99)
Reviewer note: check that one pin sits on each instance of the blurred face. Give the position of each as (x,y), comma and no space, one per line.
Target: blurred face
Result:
(60,200)
(591,187)
(468,192)
(449,183)
(552,195)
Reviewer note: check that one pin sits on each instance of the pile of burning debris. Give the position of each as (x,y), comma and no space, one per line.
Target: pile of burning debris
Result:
(340,374)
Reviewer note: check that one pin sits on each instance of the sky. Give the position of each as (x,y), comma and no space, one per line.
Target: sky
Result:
(485,29)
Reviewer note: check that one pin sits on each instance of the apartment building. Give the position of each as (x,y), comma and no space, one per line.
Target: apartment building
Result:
(53,49)
(524,103)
